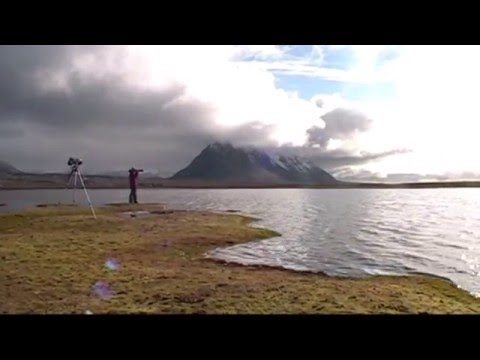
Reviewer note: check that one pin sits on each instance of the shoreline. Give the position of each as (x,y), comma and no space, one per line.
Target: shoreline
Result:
(320,273)
(53,255)
(453,185)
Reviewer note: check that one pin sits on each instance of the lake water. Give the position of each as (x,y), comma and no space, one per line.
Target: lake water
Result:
(351,232)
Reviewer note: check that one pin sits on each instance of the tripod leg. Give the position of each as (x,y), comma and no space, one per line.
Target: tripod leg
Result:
(70,177)
(75,187)
(86,194)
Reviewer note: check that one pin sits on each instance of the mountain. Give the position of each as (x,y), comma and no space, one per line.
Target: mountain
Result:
(221,162)
(6,168)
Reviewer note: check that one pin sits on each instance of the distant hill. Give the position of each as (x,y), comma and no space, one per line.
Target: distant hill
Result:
(124,173)
(219,165)
(6,168)
(222,162)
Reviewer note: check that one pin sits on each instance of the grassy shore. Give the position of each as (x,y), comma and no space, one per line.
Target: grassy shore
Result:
(51,257)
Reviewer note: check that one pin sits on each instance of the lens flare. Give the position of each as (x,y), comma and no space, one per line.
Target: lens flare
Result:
(112,264)
(102,290)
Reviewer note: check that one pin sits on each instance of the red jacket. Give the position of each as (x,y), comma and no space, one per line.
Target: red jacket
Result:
(133,177)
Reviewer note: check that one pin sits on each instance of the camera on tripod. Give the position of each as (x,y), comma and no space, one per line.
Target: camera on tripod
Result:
(75,174)
(74,162)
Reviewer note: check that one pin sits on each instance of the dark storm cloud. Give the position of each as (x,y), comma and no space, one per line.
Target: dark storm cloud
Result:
(105,100)
(340,124)
(19,63)
(317,136)
(348,174)
(99,117)
(249,134)
(336,159)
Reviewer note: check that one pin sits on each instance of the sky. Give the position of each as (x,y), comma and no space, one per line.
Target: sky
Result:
(360,112)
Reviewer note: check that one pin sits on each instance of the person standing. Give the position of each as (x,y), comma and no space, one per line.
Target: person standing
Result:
(133,178)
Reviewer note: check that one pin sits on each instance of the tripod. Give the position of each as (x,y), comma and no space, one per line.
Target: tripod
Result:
(78,175)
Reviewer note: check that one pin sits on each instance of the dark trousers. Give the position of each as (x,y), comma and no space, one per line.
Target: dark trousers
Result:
(133,196)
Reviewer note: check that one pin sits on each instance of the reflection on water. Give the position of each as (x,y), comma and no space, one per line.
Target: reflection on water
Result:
(338,232)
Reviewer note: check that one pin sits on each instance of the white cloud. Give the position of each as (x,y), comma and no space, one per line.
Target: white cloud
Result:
(241,92)
(434,111)
(259,51)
